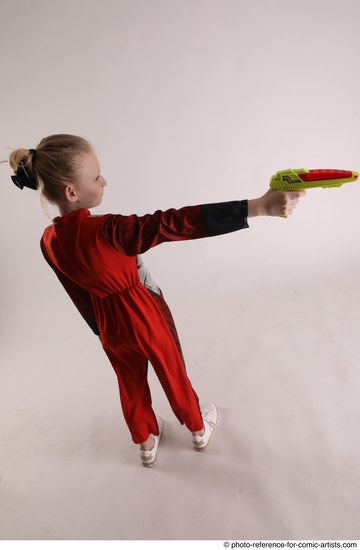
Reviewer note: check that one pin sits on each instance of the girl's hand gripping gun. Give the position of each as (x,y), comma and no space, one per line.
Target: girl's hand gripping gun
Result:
(299,179)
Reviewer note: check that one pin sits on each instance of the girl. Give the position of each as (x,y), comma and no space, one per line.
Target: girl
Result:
(96,258)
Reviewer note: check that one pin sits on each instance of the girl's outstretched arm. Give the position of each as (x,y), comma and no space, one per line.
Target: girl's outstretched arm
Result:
(134,234)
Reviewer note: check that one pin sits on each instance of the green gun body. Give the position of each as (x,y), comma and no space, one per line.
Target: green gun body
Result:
(298,179)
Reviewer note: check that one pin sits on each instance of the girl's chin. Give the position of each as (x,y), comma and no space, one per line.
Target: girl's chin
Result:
(96,203)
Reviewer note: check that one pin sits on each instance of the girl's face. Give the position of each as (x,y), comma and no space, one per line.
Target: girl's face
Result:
(90,185)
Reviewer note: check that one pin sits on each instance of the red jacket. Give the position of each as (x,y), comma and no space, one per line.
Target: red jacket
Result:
(94,257)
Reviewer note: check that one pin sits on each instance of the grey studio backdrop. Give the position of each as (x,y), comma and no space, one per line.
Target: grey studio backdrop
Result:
(188,102)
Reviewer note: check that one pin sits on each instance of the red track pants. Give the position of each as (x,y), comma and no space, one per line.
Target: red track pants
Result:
(163,350)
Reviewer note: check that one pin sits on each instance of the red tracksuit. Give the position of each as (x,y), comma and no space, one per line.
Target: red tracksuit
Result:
(95,258)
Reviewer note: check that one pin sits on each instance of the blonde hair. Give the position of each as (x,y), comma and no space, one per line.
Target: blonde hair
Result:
(52,165)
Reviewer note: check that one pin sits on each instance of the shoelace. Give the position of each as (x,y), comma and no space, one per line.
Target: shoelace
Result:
(212,424)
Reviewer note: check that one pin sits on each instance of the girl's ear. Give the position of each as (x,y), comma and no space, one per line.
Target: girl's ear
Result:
(70,193)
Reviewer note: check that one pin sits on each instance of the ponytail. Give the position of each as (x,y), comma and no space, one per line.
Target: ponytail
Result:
(50,167)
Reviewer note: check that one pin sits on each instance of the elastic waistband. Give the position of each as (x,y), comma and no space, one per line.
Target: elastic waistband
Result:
(119,293)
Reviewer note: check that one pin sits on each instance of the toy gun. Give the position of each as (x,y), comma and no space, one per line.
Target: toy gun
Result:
(298,179)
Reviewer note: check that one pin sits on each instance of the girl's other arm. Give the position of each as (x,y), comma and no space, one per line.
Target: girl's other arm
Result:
(78,295)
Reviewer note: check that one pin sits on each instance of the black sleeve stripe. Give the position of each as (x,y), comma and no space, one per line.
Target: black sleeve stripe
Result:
(225,217)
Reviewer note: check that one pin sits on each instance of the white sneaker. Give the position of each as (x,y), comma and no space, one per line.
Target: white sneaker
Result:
(148,458)
(210,417)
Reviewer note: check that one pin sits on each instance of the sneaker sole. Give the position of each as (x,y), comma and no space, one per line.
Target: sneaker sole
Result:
(148,464)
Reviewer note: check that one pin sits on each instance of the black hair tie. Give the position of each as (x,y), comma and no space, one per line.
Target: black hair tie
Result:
(22,178)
